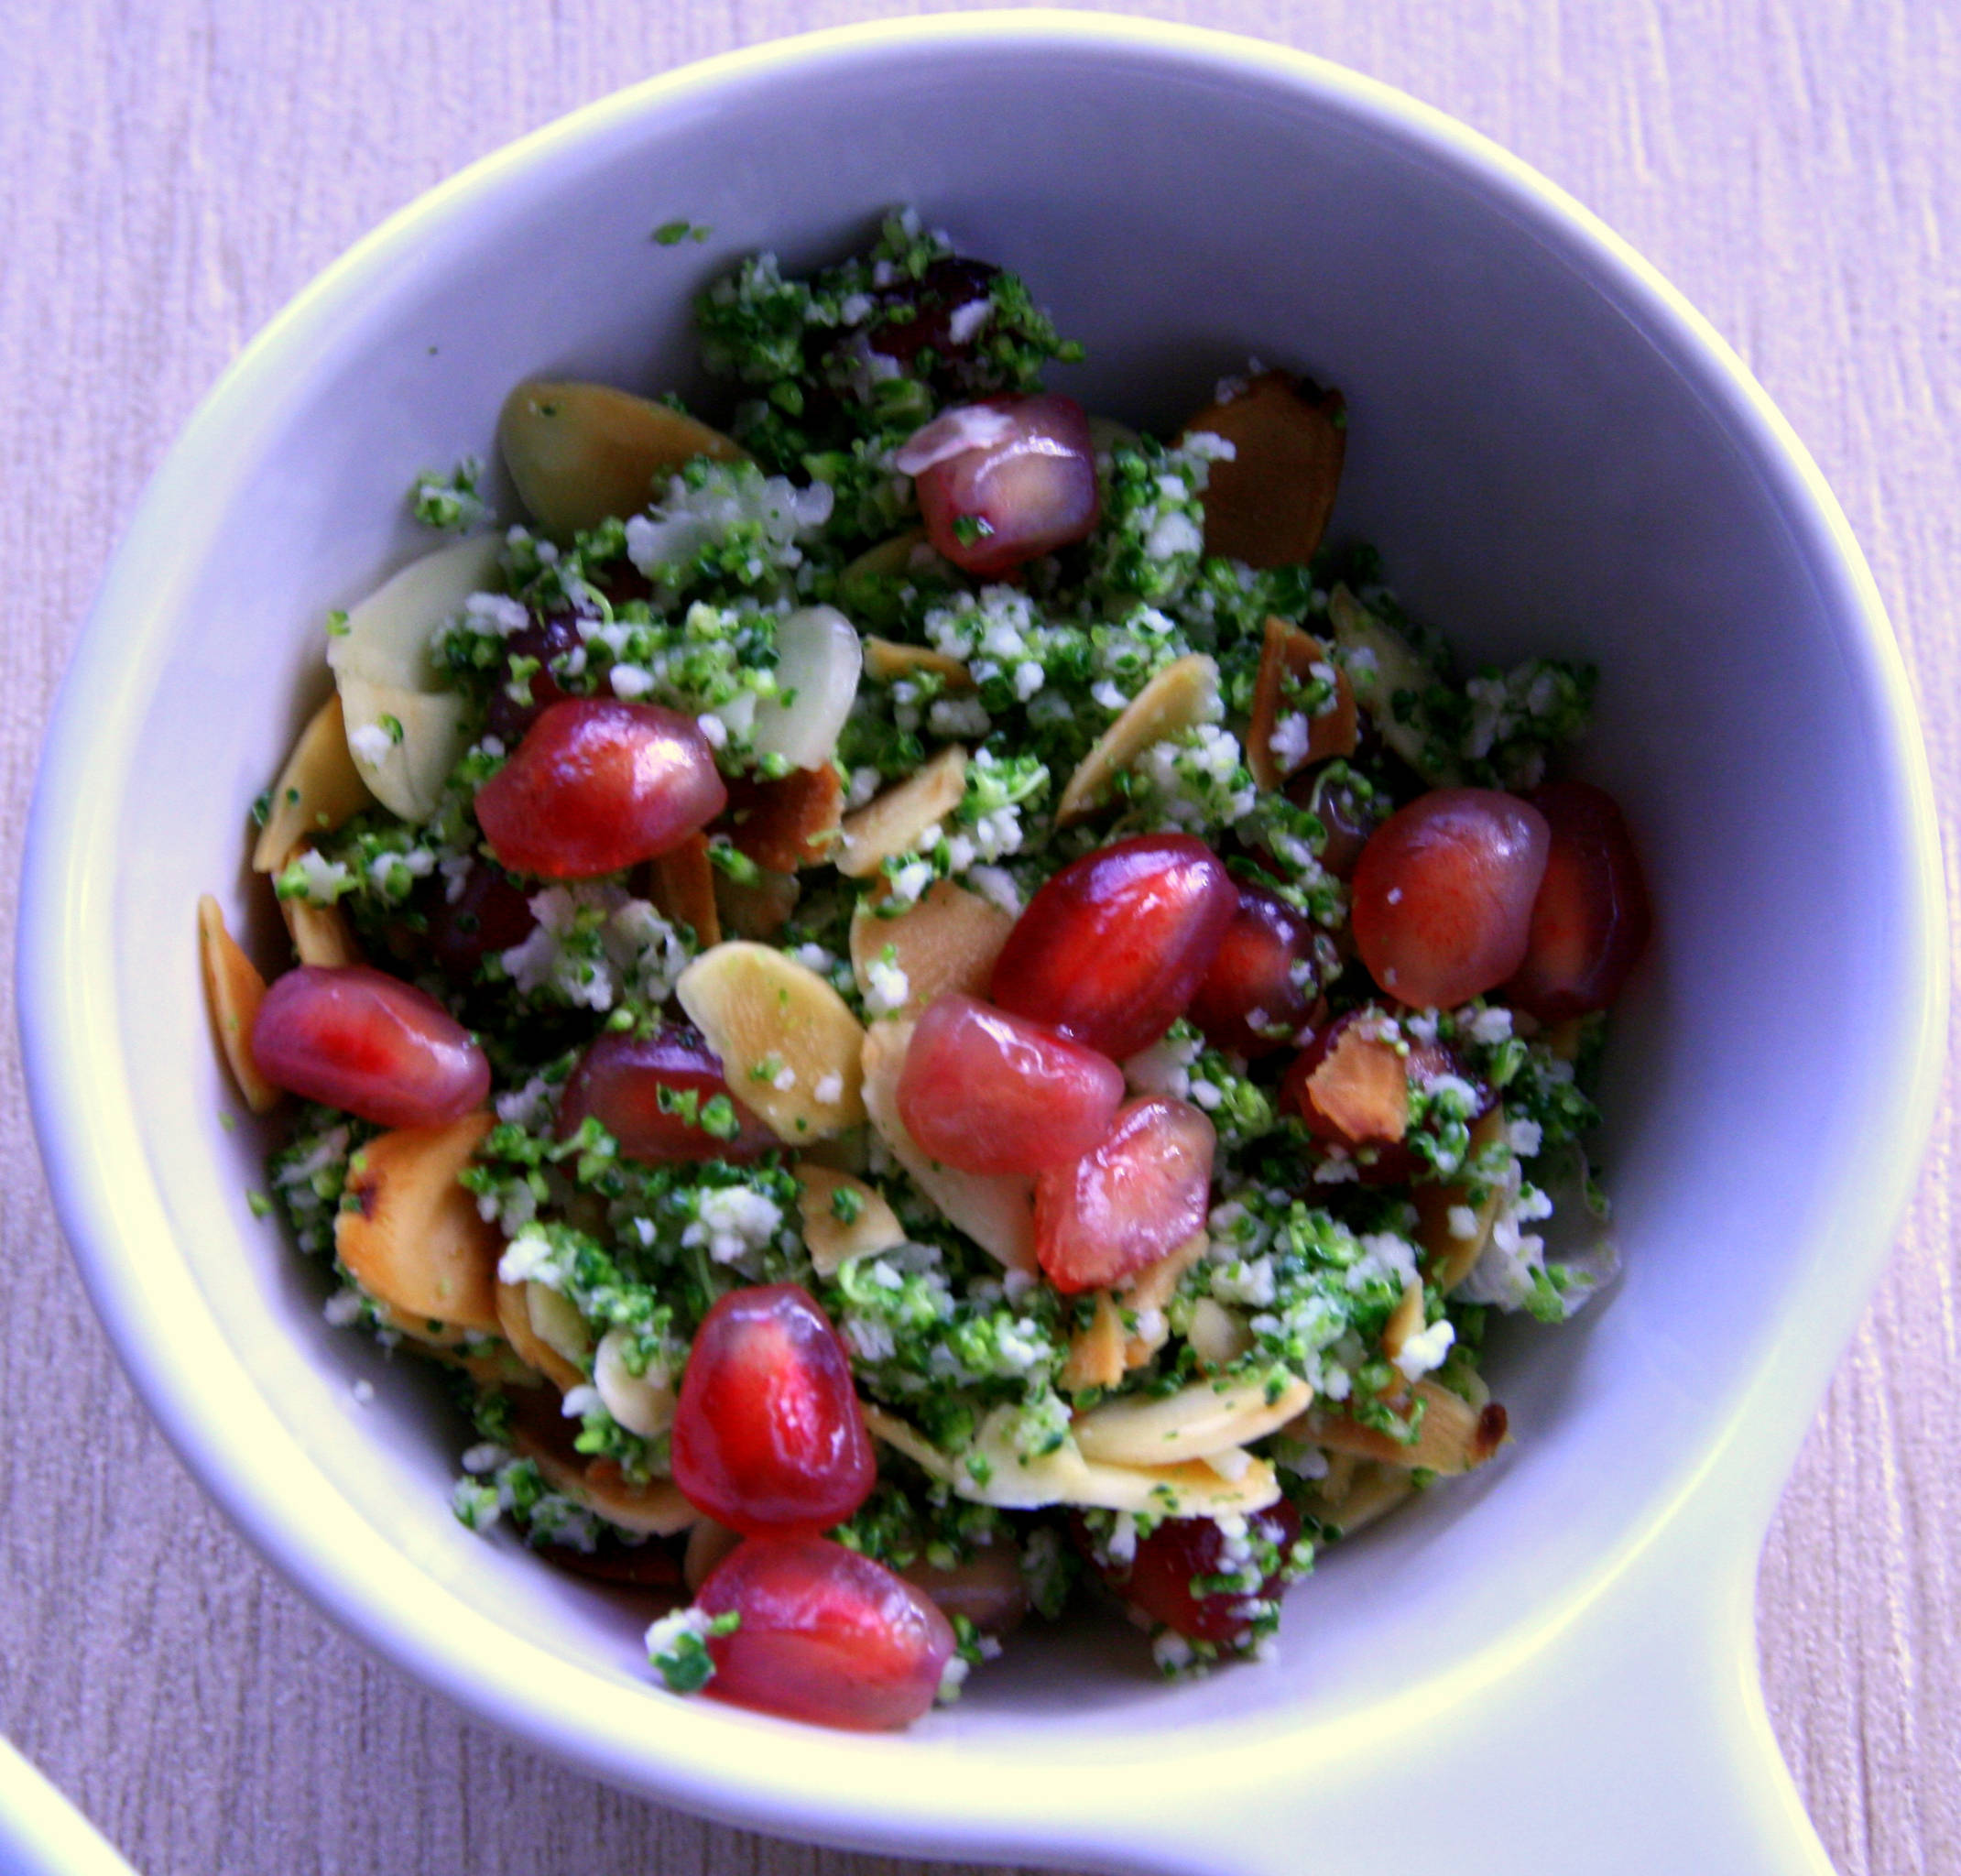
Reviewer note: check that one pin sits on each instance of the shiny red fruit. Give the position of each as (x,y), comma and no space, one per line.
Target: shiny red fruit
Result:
(1004,480)
(1590,921)
(598,785)
(488,914)
(369,1044)
(1443,891)
(621,1080)
(825,1635)
(1180,1553)
(983,1091)
(1111,949)
(769,1436)
(1256,994)
(1140,1194)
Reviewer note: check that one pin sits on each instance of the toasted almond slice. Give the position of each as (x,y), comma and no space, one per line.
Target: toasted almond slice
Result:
(1405,1320)
(682,885)
(654,1509)
(642,1403)
(1362,1086)
(789,1046)
(1096,1353)
(1218,1335)
(1287,658)
(758,909)
(1192,1424)
(582,453)
(233,990)
(947,941)
(708,1543)
(833,1240)
(894,821)
(1180,697)
(886,661)
(1146,1294)
(791,821)
(319,789)
(997,1210)
(1367,1492)
(1381,666)
(521,1329)
(1268,505)
(1454,1437)
(1440,1209)
(321,934)
(413,1237)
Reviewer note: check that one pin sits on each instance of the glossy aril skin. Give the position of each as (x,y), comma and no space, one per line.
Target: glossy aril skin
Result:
(1111,949)
(943,317)
(489,914)
(1443,895)
(1027,491)
(983,1091)
(1260,987)
(769,1436)
(598,785)
(826,1635)
(1159,1579)
(619,1081)
(1142,1193)
(1590,919)
(545,639)
(370,1044)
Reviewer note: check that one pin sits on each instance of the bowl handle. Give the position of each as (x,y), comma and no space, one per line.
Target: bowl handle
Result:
(1630,1740)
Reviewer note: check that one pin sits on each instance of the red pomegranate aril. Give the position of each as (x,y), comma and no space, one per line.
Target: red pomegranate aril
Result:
(488,914)
(769,1435)
(945,317)
(598,785)
(544,639)
(620,1081)
(1443,891)
(985,1091)
(1260,987)
(1142,1193)
(824,1635)
(1112,948)
(369,1044)
(1590,921)
(1159,1579)
(1002,482)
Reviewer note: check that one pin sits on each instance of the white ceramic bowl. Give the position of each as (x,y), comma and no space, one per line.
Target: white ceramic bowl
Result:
(1549,1668)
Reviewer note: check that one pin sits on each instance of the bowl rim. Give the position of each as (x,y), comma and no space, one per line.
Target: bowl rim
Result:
(92,1145)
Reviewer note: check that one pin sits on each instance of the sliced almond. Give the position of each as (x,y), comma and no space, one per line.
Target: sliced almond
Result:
(755,909)
(784,824)
(1440,1209)
(654,1509)
(1381,665)
(319,789)
(1180,697)
(894,821)
(997,1210)
(412,1238)
(1268,505)
(1363,1087)
(786,1038)
(1405,1320)
(1147,1294)
(947,941)
(1287,659)
(321,934)
(682,885)
(514,1318)
(1096,1353)
(234,991)
(818,661)
(831,1240)
(1194,1423)
(1453,1438)
(887,662)
(642,1403)
(582,453)
(1218,1335)
(1368,1491)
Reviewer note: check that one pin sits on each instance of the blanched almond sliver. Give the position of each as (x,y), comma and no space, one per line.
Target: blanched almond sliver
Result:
(948,941)
(1287,657)
(682,885)
(319,789)
(1361,1086)
(1192,1424)
(1449,1257)
(887,662)
(894,821)
(1367,1491)
(234,991)
(1146,1295)
(832,1243)
(641,1405)
(321,934)
(790,1047)
(1096,1353)
(514,1317)
(1405,1320)
(1218,1335)
(1454,1437)
(1180,697)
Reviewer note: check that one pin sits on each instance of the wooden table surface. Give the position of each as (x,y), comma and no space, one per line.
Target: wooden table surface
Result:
(175,170)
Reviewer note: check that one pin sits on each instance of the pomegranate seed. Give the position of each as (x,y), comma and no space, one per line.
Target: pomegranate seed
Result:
(544,639)
(825,1635)
(369,1044)
(1261,987)
(489,914)
(983,1091)
(1164,1579)
(1110,950)
(949,288)
(1140,1194)
(1348,817)
(1003,481)
(1443,894)
(598,785)
(769,1435)
(621,1080)
(1590,919)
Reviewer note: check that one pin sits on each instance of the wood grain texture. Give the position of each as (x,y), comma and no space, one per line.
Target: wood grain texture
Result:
(176,171)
